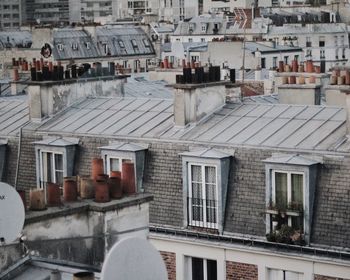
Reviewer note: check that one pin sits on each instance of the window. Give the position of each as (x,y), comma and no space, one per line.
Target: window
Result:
(87,45)
(134,44)
(335,40)
(263,62)
(51,168)
(288,193)
(74,46)
(117,153)
(202,197)
(286,59)
(343,54)
(146,43)
(121,44)
(200,269)
(322,54)
(274,62)
(290,184)
(296,57)
(308,42)
(279,274)
(114,163)
(190,40)
(321,42)
(205,187)
(204,27)
(202,39)
(60,47)
(54,160)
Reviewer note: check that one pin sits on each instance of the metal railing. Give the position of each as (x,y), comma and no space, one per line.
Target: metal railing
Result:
(202,213)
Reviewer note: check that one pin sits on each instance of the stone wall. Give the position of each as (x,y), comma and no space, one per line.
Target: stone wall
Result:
(236,270)
(170,263)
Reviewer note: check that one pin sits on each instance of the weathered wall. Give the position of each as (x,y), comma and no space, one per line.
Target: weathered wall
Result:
(84,234)
(321,277)
(236,270)
(48,98)
(170,263)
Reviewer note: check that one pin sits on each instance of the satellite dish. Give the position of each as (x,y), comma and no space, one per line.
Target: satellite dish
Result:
(11,214)
(133,259)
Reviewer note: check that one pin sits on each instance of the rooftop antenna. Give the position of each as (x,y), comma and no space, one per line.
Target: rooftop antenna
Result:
(11,214)
(133,259)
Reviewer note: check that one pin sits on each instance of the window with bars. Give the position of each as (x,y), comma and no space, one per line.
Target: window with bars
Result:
(51,168)
(202,196)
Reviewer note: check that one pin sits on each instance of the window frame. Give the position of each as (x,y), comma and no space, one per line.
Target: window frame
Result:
(107,164)
(53,169)
(204,222)
(289,189)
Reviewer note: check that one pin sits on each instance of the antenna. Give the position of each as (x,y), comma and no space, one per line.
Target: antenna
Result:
(11,214)
(133,259)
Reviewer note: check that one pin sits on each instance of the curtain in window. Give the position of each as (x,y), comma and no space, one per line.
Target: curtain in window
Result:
(210,193)
(297,189)
(281,189)
(197,202)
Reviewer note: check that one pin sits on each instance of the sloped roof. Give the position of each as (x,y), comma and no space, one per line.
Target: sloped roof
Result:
(14,113)
(293,159)
(263,125)
(70,43)
(15,39)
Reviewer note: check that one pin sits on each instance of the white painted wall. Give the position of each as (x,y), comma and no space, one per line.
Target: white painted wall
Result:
(264,259)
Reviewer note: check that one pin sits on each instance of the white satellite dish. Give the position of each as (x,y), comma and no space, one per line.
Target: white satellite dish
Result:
(11,214)
(133,259)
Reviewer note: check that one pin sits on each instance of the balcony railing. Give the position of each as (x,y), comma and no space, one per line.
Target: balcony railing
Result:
(202,213)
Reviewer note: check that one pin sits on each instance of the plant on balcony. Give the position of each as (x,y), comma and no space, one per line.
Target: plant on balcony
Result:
(287,235)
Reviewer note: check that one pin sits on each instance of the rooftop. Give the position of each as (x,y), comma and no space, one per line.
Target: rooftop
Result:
(250,124)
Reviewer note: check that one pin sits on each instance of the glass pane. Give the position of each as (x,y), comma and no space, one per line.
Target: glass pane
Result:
(281,190)
(58,162)
(114,164)
(48,168)
(210,174)
(196,173)
(211,204)
(297,190)
(298,223)
(211,270)
(197,269)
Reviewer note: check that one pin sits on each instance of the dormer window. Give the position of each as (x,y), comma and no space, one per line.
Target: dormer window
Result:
(60,47)
(134,44)
(204,27)
(121,44)
(146,43)
(87,45)
(75,46)
(290,188)
(191,27)
(115,154)
(54,160)
(106,49)
(205,188)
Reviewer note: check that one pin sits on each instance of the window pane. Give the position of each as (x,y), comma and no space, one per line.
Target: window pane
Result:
(210,175)
(211,270)
(58,162)
(197,201)
(298,223)
(59,177)
(114,164)
(197,269)
(297,189)
(281,189)
(48,168)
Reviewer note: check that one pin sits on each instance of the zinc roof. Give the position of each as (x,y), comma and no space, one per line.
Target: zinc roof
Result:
(253,124)
(14,113)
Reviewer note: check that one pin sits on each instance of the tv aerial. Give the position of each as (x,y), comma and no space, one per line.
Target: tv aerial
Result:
(11,214)
(133,259)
